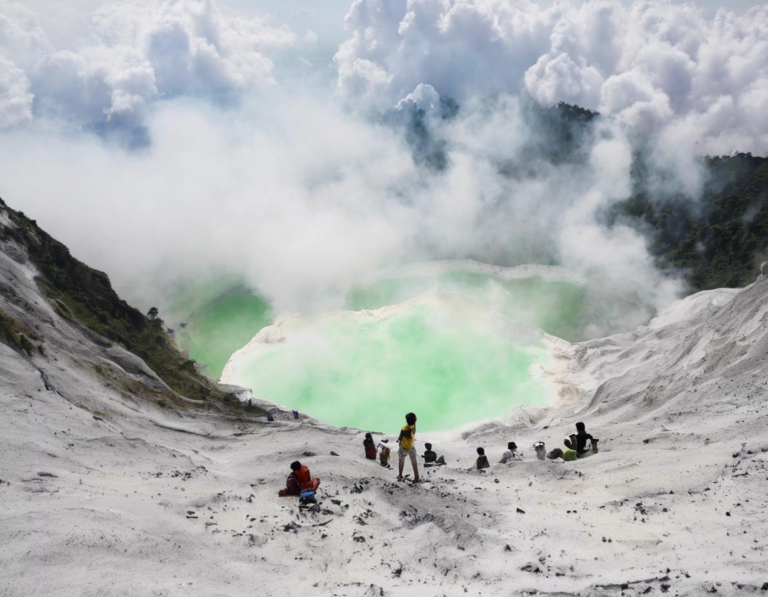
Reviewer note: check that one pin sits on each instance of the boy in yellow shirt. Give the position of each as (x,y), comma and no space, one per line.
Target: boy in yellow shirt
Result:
(407,440)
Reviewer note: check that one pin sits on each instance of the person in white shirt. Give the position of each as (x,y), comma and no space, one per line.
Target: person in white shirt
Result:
(511,454)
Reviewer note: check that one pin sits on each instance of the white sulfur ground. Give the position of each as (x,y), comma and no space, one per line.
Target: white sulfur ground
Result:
(106,493)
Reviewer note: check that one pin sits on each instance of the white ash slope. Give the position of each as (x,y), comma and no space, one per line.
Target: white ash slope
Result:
(105,494)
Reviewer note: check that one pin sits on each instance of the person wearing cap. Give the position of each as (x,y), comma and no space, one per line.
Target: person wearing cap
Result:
(541,450)
(511,454)
(384,452)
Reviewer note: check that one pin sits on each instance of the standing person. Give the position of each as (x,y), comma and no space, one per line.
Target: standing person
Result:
(407,440)
(370,447)
(541,450)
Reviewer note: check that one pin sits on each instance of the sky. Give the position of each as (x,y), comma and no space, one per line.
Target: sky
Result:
(166,140)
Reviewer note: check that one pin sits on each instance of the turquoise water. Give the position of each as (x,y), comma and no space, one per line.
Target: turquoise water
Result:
(222,326)
(446,359)
(425,359)
(557,307)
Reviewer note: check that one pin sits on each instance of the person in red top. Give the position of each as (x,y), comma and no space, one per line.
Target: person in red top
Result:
(299,480)
(370,447)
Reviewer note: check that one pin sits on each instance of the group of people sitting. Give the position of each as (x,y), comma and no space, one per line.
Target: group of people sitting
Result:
(577,445)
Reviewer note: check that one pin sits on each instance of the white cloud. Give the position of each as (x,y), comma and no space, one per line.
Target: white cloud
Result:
(138,52)
(651,64)
(15,98)
(302,196)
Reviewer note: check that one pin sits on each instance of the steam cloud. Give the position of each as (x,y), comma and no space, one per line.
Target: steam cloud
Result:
(651,64)
(303,191)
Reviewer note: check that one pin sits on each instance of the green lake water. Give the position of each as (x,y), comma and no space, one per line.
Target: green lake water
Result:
(369,374)
(450,367)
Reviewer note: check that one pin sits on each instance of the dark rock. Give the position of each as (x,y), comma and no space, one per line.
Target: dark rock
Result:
(308,453)
(334,454)
(507,547)
(44,474)
(519,511)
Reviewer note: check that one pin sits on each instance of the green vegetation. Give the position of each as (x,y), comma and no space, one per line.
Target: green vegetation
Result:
(719,241)
(85,296)
(16,335)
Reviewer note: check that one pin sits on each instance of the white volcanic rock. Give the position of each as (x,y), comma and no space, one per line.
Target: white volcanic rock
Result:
(103,493)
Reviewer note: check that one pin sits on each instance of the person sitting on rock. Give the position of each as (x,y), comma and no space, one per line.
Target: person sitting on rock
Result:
(292,486)
(568,455)
(370,447)
(299,480)
(384,452)
(511,454)
(430,457)
(581,439)
(541,450)
(482,460)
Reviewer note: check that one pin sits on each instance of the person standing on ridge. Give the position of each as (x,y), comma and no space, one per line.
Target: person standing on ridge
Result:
(407,439)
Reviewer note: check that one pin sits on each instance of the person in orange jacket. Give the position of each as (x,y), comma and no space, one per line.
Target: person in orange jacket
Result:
(299,480)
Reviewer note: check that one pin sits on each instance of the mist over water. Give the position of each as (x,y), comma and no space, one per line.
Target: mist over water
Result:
(450,363)
(451,341)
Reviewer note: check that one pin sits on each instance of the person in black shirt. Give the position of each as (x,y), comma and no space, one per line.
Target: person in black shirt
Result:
(430,457)
(579,440)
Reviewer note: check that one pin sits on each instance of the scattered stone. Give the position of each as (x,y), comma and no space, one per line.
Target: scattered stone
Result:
(334,454)
(44,474)
(308,453)
(519,511)
(507,547)
(291,526)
